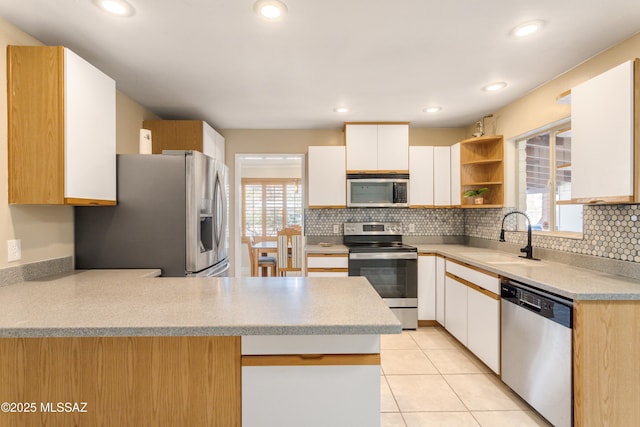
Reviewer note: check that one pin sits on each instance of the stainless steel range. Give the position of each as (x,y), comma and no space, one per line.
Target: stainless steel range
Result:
(376,252)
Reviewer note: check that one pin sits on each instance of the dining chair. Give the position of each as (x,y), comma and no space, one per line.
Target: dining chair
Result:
(289,253)
(264,262)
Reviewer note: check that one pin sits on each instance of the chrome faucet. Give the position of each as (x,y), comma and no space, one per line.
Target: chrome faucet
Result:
(527,249)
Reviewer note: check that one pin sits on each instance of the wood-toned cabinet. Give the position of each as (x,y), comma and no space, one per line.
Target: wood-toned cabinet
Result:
(327,177)
(606,137)
(377,147)
(185,135)
(327,265)
(482,166)
(61,128)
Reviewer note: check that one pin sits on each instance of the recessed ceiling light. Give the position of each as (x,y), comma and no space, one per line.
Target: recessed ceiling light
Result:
(115,7)
(271,10)
(431,109)
(341,110)
(527,28)
(492,87)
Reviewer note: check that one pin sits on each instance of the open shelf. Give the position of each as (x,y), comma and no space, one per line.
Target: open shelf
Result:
(482,165)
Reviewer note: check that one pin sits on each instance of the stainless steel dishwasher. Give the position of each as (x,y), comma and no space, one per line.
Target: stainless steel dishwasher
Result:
(536,350)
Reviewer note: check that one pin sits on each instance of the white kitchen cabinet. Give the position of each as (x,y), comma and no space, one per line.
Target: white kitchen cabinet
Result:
(440,289)
(377,147)
(456,309)
(213,143)
(421,176)
(604,142)
(62,128)
(327,265)
(472,311)
(317,380)
(327,177)
(442,176)
(426,287)
(483,332)
(186,135)
(456,192)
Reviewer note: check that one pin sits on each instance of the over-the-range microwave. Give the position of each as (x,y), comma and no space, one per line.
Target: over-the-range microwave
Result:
(372,190)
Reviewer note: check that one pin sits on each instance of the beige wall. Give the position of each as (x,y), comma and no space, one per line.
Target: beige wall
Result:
(539,107)
(46,232)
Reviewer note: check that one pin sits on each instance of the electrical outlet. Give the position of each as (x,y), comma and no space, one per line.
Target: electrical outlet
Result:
(336,228)
(412,228)
(14,253)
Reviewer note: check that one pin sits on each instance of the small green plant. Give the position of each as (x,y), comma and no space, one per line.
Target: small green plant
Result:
(475,193)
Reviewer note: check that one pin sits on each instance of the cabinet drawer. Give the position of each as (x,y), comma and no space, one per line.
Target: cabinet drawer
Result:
(310,344)
(328,261)
(485,280)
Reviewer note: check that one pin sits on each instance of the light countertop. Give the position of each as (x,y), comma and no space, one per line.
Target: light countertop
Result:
(562,279)
(129,303)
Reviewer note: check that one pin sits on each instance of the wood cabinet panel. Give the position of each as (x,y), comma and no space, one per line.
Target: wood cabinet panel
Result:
(126,381)
(606,380)
(482,165)
(36,140)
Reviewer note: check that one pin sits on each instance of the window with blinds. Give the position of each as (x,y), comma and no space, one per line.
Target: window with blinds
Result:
(544,179)
(270,205)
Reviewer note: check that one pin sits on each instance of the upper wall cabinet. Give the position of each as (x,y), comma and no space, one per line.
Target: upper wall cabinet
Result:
(482,166)
(62,128)
(421,176)
(185,135)
(604,164)
(327,177)
(377,147)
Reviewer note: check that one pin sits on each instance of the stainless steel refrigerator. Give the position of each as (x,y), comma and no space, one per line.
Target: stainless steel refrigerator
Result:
(172,214)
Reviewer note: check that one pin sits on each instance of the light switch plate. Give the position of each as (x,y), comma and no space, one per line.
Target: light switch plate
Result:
(336,228)
(412,228)
(14,252)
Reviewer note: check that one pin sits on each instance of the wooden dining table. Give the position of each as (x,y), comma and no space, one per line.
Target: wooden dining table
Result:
(262,248)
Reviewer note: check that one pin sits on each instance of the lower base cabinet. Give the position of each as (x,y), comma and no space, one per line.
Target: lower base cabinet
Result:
(456,309)
(472,311)
(322,380)
(281,396)
(483,332)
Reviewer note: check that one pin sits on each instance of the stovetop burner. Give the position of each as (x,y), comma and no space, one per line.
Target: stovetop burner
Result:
(375,237)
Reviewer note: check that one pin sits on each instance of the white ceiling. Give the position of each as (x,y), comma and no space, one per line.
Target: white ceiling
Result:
(385,60)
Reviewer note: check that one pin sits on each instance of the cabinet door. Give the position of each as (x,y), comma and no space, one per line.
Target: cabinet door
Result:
(209,140)
(362,147)
(440,293)
(288,396)
(442,176)
(421,176)
(426,287)
(456,191)
(220,147)
(327,177)
(456,309)
(90,131)
(483,336)
(602,119)
(393,147)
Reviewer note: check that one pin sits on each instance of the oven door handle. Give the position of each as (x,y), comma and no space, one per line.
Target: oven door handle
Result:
(383,255)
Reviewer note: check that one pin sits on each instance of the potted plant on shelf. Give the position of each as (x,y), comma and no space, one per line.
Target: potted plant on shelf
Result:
(477,195)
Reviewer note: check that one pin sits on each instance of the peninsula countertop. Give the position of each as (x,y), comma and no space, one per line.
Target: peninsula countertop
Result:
(129,303)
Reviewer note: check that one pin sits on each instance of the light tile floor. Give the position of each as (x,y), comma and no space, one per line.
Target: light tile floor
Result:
(430,379)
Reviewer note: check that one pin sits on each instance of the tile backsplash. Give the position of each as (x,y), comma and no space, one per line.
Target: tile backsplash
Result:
(427,222)
(610,231)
